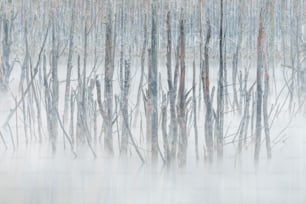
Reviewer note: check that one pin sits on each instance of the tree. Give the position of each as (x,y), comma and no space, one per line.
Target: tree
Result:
(54,86)
(5,65)
(108,80)
(153,82)
(260,65)
(220,94)
(181,116)
(207,99)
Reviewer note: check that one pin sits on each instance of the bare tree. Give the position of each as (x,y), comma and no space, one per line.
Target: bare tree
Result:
(220,94)
(172,86)
(194,106)
(5,65)
(69,67)
(153,82)
(207,98)
(142,63)
(265,112)
(125,111)
(108,80)
(164,128)
(182,99)
(236,57)
(54,86)
(260,65)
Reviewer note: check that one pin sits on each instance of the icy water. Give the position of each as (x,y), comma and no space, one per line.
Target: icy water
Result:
(34,176)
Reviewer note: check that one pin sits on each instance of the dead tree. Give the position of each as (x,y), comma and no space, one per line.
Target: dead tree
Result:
(164,128)
(200,6)
(206,96)
(147,99)
(265,112)
(69,68)
(194,105)
(182,100)
(220,91)
(108,81)
(124,108)
(172,86)
(143,54)
(5,66)
(53,131)
(260,64)
(79,124)
(245,119)
(153,82)
(236,59)
(71,128)
(83,131)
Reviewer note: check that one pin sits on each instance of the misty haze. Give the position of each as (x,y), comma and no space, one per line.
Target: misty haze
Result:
(152,101)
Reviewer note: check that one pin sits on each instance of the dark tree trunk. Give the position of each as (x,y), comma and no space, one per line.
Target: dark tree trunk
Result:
(220,94)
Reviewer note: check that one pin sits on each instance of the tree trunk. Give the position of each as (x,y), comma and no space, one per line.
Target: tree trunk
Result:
(153,83)
(265,114)
(260,56)
(5,67)
(164,129)
(172,90)
(220,94)
(54,88)
(236,60)
(182,100)
(108,81)
(143,53)
(125,125)
(207,99)
(194,105)
(69,70)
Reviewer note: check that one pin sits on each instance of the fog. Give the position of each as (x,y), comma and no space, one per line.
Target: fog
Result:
(158,102)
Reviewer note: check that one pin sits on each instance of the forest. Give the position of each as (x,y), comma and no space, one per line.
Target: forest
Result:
(154,83)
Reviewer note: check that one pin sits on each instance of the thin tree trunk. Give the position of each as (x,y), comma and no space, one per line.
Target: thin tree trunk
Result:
(260,47)
(265,113)
(194,104)
(164,129)
(143,53)
(148,105)
(69,69)
(5,67)
(71,132)
(182,99)
(220,94)
(125,125)
(153,83)
(108,81)
(172,90)
(207,99)
(236,60)
(55,88)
